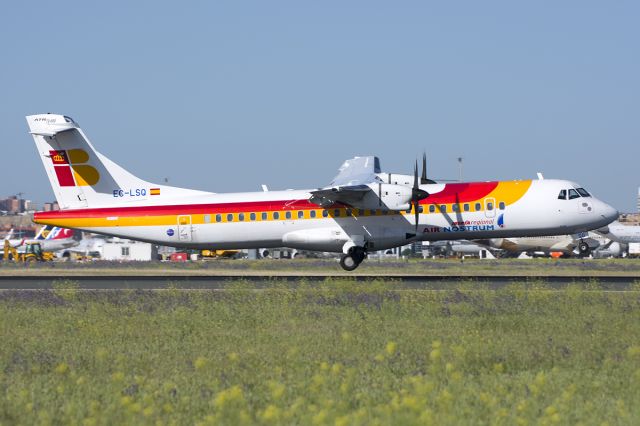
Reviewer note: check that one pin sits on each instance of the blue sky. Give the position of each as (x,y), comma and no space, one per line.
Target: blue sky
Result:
(225,96)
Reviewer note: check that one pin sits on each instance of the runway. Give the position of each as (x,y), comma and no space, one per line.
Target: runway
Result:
(221,282)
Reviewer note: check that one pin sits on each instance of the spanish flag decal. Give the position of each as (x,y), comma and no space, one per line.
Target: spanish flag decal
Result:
(154,191)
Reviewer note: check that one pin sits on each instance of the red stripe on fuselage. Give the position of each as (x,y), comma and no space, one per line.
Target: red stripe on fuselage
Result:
(466,192)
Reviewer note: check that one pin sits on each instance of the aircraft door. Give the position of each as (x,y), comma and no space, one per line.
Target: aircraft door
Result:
(185,229)
(490,207)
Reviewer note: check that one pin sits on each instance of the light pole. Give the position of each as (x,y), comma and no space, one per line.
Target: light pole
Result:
(460,168)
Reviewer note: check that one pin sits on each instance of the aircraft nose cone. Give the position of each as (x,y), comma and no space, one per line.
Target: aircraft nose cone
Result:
(609,212)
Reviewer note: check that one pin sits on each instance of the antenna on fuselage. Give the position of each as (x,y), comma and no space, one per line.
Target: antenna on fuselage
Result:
(540,177)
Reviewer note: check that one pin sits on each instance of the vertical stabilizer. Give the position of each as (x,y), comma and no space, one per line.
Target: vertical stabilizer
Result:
(81,177)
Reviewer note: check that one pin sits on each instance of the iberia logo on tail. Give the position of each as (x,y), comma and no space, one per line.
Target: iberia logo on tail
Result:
(71,168)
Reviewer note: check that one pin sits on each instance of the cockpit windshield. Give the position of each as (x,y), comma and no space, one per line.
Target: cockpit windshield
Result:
(583,192)
(572,193)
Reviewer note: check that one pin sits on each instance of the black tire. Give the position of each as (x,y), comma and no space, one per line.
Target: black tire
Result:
(584,248)
(348,262)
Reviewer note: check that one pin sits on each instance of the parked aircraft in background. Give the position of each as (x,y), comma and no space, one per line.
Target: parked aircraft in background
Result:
(620,233)
(51,238)
(565,244)
(362,209)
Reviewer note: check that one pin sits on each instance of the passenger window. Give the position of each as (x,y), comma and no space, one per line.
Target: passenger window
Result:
(300,214)
(218,218)
(466,207)
(276,215)
(348,212)
(443,208)
(252,216)
(583,192)
(336,212)
(489,206)
(287,215)
(420,209)
(312,213)
(454,207)
(360,212)
(501,206)
(432,208)
(372,212)
(562,195)
(573,194)
(264,216)
(230,217)
(325,213)
(241,217)
(385,212)
(478,207)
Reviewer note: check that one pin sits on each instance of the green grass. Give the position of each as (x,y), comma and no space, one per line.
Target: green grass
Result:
(341,353)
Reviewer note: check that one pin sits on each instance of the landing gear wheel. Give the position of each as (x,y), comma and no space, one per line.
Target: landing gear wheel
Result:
(353,259)
(348,263)
(584,248)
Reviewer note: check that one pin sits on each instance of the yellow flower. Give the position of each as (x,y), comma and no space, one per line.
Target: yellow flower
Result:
(271,413)
(277,390)
(391,348)
(147,412)
(434,355)
(336,368)
(200,363)
(118,376)
(498,368)
(379,358)
(324,366)
(633,351)
(62,368)
(233,357)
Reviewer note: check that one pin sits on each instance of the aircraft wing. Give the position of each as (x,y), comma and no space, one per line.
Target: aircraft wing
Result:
(350,185)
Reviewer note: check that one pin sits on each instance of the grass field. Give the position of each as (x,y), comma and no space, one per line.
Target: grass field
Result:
(338,354)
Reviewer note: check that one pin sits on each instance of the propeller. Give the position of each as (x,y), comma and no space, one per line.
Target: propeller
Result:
(423,179)
(417,194)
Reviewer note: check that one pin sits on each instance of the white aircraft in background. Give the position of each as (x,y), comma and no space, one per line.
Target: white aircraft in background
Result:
(362,209)
(565,244)
(620,233)
(51,238)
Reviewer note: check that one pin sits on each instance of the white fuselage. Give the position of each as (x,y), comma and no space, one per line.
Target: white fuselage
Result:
(247,220)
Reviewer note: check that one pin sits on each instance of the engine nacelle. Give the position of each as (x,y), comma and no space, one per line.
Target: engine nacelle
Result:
(393,197)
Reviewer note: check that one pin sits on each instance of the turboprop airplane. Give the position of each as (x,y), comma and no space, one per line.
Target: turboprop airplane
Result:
(362,209)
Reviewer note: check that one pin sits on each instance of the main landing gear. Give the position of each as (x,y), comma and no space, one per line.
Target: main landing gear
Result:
(584,248)
(353,258)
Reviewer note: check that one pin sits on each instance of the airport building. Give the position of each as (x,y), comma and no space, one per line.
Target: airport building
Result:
(118,249)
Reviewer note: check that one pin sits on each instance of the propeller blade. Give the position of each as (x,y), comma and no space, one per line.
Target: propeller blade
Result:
(424,179)
(415,176)
(416,208)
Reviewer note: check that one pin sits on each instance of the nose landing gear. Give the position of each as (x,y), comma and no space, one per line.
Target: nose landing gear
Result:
(353,258)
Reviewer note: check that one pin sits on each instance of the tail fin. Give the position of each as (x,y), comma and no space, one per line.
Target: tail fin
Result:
(58,233)
(43,233)
(80,176)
